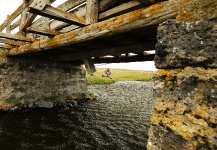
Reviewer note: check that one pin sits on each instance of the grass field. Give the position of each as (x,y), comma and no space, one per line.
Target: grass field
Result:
(119,75)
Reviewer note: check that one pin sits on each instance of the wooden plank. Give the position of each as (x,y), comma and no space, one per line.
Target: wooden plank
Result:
(16,37)
(149,2)
(42,31)
(107,51)
(66,6)
(69,28)
(57,14)
(12,42)
(142,18)
(15,24)
(119,9)
(108,4)
(135,58)
(58,25)
(70,4)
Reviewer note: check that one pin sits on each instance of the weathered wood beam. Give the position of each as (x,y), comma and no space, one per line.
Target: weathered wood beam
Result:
(142,18)
(79,11)
(3,46)
(134,58)
(12,42)
(107,4)
(68,28)
(57,14)
(42,31)
(46,27)
(27,22)
(16,37)
(149,2)
(119,9)
(23,16)
(15,24)
(66,6)
(107,51)
(70,4)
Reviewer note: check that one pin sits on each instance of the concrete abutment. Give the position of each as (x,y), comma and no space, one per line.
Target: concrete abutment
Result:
(30,82)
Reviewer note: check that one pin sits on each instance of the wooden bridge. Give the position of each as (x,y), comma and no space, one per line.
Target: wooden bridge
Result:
(85,30)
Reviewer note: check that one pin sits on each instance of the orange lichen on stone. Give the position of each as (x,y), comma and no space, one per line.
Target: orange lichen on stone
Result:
(156,117)
(188,126)
(163,72)
(167,74)
(162,104)
(194,10)
(180,108)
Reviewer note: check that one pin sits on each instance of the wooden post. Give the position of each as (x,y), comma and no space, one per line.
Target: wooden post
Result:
(92,7)
(46,22)
(23,16)
(8,28)
(89,65)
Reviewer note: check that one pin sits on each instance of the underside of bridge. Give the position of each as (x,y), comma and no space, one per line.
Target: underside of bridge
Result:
(41,59)
(84,30)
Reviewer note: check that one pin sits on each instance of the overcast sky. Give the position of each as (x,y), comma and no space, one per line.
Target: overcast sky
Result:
(7,7)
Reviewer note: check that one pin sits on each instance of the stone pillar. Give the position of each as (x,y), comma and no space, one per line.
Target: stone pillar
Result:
(27,80)
(185,91)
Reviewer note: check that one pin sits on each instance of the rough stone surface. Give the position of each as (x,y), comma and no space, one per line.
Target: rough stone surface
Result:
(28,81)
(183,44)
(185,90)
(186,104)
(196,10)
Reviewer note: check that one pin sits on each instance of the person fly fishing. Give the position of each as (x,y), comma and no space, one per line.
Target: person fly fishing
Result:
(108,74)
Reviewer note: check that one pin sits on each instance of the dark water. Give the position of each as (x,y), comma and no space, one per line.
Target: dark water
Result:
(103,124)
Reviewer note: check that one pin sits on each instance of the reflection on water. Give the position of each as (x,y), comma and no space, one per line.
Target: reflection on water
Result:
(116,124)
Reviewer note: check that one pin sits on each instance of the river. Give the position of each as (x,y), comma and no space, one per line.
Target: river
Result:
(118,119)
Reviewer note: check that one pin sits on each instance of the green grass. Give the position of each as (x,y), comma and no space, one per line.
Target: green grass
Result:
(119,75)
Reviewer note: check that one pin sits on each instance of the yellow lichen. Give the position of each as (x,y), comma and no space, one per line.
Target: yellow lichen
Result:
(162,72)
(194,10)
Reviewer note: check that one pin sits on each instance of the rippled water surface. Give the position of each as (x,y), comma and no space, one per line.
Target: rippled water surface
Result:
(117,120)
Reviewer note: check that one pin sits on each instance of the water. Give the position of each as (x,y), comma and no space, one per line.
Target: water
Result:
(117,120)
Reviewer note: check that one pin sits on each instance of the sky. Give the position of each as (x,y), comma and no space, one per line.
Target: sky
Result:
(9,6)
